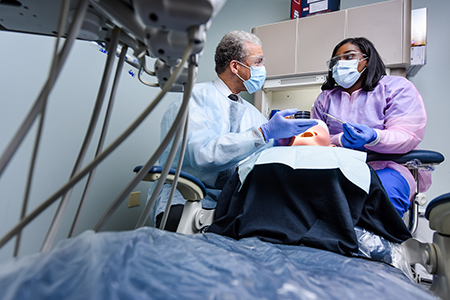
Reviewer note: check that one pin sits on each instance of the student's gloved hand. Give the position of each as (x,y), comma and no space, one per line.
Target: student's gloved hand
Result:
(357,135)
(279,127)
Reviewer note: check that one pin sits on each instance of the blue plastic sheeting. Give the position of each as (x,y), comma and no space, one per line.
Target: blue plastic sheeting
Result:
(152,264)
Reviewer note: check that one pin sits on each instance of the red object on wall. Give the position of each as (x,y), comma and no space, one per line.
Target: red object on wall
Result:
(305,8)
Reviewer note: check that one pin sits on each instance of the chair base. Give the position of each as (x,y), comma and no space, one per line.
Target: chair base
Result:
(435,257)
(441,279)
(194,218)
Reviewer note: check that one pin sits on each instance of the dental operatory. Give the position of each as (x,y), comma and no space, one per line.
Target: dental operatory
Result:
(224,149)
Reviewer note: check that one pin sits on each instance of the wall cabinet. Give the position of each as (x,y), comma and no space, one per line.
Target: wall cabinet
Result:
(296,51)
(388,26)
(279,46)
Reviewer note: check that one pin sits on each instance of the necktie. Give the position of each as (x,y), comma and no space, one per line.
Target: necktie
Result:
(234,111)
(233,97)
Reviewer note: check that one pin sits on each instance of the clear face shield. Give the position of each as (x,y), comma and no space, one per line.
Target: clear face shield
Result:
(256,61)
(348,56)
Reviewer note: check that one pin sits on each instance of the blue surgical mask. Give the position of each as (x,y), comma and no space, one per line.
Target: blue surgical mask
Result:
(345,72)
(256,80)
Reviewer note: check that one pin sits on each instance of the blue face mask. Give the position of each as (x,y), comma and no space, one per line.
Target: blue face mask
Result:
(256,80)
(345,72)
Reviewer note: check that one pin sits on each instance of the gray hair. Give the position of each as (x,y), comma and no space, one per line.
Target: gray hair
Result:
(233,47)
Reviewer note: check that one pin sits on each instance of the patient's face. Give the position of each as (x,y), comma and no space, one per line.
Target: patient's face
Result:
(315,136)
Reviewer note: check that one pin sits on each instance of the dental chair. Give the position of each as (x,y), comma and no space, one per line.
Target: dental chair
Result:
(195,218)
(435,256)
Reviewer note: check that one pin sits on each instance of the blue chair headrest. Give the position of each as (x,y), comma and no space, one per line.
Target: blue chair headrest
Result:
(435,202)
(158,169)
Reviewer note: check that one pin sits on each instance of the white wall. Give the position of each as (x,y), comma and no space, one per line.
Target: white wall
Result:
(432,83)
(23,69)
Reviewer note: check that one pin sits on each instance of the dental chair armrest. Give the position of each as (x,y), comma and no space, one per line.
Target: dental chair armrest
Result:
(413,160)
(426,157)
(190,187)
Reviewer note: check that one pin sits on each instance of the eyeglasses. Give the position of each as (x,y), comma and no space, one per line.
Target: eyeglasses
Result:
(352,55)
(257,60)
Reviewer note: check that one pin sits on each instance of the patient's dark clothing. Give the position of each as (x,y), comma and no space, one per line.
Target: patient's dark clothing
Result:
(316,208)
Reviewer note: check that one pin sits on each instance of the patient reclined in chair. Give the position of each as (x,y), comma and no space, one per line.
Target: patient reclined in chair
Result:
(314,196)
(313,207)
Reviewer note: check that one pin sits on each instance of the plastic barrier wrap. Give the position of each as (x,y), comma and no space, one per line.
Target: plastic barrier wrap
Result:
(152,264)
(375,247)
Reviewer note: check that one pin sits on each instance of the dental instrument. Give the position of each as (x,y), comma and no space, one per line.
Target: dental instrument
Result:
(334,118)
(342,122)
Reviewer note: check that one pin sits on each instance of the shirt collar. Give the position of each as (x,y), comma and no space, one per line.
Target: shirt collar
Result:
(223,88)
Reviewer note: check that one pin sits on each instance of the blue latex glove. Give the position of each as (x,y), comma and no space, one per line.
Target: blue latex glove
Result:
(279,127)
(357,135)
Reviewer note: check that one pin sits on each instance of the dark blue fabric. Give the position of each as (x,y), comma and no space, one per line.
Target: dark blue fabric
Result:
(397,189)
(315,208)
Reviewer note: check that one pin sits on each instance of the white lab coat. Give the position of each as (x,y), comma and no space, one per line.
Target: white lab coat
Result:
(222,132)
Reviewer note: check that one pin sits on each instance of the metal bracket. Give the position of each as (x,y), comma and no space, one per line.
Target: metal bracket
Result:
(421,253)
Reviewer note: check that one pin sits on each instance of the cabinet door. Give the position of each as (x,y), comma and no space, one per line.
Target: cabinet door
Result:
(387,25)
(278,41)
(317,37)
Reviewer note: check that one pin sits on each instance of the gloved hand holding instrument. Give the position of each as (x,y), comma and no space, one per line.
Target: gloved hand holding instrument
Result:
(355,136)
(279,127)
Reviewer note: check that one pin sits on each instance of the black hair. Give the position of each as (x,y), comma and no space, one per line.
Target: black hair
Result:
(375,69)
